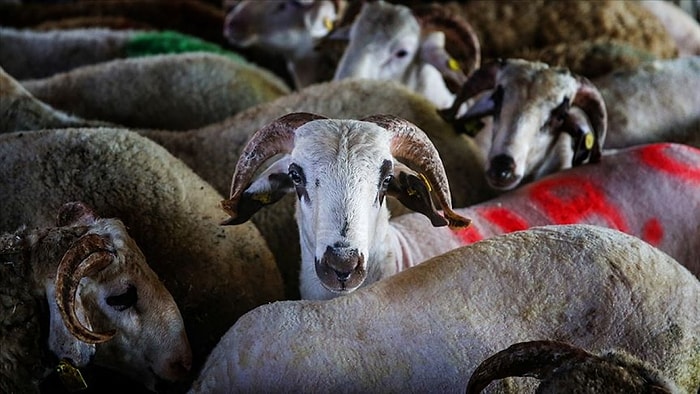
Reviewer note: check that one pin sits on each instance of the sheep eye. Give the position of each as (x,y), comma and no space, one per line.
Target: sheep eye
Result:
(387,181)
(401,53)
(295,176)
(125,300)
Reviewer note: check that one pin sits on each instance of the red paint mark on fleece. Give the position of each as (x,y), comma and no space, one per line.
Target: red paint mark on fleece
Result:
(569,200)
(653,232)
(469,235)
(655,156)
(504,218)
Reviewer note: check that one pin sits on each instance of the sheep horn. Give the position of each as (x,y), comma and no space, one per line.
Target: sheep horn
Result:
(480,80)
(87,256)
(410,144)
(275,138)
(533,359)
(589,99)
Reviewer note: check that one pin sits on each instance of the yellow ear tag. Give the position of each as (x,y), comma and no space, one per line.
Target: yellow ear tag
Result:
(264,198)
(70,376)
(425,180)
(589,141)
(453,64)
(328,23)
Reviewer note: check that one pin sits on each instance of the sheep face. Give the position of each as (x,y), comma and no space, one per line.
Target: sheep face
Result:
(384,42)
(126,298)
(544,119)
(278,25)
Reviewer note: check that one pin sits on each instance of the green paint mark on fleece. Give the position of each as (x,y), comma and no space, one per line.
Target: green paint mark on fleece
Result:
(158,43)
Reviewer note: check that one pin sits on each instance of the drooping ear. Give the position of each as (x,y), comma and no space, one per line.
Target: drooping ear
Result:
(584,142)
(433,52)
(320,17)
(413,191)
(267,188)
(75,213)
(61,341)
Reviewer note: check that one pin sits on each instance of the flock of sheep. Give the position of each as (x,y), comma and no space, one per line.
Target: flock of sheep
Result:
(350,196)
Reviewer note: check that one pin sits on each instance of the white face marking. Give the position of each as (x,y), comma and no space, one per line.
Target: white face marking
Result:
(341,165)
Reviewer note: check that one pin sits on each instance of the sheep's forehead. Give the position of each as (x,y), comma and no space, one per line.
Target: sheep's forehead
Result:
(382,22)
(352,146)
(536,87)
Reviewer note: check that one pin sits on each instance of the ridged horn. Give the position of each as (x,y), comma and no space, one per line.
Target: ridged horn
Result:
(275,138)
(534,359)
(589,99)
(86,256)
(410,145)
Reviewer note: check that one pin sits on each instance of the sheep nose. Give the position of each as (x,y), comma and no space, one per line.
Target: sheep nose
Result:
(342,261)
(341,269)
(501,172)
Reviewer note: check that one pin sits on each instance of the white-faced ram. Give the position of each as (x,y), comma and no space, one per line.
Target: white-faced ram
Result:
(104,304)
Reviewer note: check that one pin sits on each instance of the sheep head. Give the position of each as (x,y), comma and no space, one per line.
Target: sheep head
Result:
(428,50)
(111,306)
(279,26)
(341,170)
(544,119)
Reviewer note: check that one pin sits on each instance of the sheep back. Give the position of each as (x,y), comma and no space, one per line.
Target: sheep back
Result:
(175,92)
(427,328)
(214,273)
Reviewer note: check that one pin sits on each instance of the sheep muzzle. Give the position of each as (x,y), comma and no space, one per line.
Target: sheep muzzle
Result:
(341,269)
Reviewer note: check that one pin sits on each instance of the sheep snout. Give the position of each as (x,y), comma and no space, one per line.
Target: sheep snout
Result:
(341,269)
(501,173)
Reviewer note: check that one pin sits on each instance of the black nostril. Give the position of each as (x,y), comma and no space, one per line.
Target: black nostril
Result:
(502,167)
(342,276)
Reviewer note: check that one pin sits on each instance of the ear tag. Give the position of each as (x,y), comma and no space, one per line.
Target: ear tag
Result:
(453,64)
(588,141)
(328,23)
(70,376)
(425,181)
(263,198)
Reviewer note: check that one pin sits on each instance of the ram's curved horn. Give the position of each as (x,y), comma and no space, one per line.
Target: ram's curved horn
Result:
(484,78)
(535,359)
(87,256)
(589,99)
(411,145)
(275,138)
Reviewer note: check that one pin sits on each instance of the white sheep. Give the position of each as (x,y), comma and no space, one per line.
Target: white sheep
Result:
(104,303)
(390,41)
(684,29)
(287,28)
(427,328)
(546,118)
(19,110)
(342,170)
(564,368)
(215,274)
(30,53)
(177,92)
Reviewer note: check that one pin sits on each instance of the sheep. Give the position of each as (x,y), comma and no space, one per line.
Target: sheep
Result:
(179,92)
(215,274)
(212,151)
(342,170)
(684,29)
(390,41)
(567,368)
(101,300)
(31,54)
(192,17)
(546,118)
(19,110)
(287,28)
(427,328)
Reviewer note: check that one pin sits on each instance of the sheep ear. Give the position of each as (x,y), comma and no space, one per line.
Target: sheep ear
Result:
(61,342)
(584,142)
(76,214)
(320,17)
(433,52)
(413,191)
(267,188)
